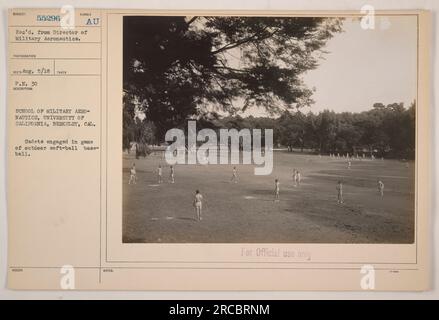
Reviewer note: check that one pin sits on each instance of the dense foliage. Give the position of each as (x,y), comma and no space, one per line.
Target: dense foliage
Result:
(175,67)
(387,131)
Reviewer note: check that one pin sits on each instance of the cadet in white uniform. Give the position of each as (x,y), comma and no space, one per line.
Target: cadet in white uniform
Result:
(160,173)
(133,174)
(339,192)
(234,175)
(276,190)
(198,204)
(172,175)
(381,188)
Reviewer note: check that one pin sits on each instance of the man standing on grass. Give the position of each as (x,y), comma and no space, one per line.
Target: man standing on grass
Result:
(198,204)
(339,192)
(234,176)
(133,174)
(381,188)
(172,177)
(160,172)
(295,177)
(298,177)
(276,190)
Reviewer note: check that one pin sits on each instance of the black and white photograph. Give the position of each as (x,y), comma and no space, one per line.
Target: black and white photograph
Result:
(169,150)
(270,129)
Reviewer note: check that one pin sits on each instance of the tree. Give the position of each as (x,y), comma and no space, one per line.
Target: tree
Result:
(385,130)
(177,65)
(128,121)
(326,130)
(135,129)
(291,130)
(410,132)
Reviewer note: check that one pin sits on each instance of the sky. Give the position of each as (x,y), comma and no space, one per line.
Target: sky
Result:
(361,67)
(366,66)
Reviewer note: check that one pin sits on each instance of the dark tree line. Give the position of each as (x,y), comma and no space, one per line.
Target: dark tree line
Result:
(387,131)
(384,131)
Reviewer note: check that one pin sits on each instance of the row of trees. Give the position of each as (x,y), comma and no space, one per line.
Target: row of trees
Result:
(384,130)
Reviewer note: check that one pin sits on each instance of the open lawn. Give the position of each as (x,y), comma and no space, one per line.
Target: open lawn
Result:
(246,211)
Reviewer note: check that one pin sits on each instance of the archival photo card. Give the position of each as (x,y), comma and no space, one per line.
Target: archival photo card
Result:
(240,150)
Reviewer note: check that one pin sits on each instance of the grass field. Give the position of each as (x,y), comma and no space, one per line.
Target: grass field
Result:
(246,211)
